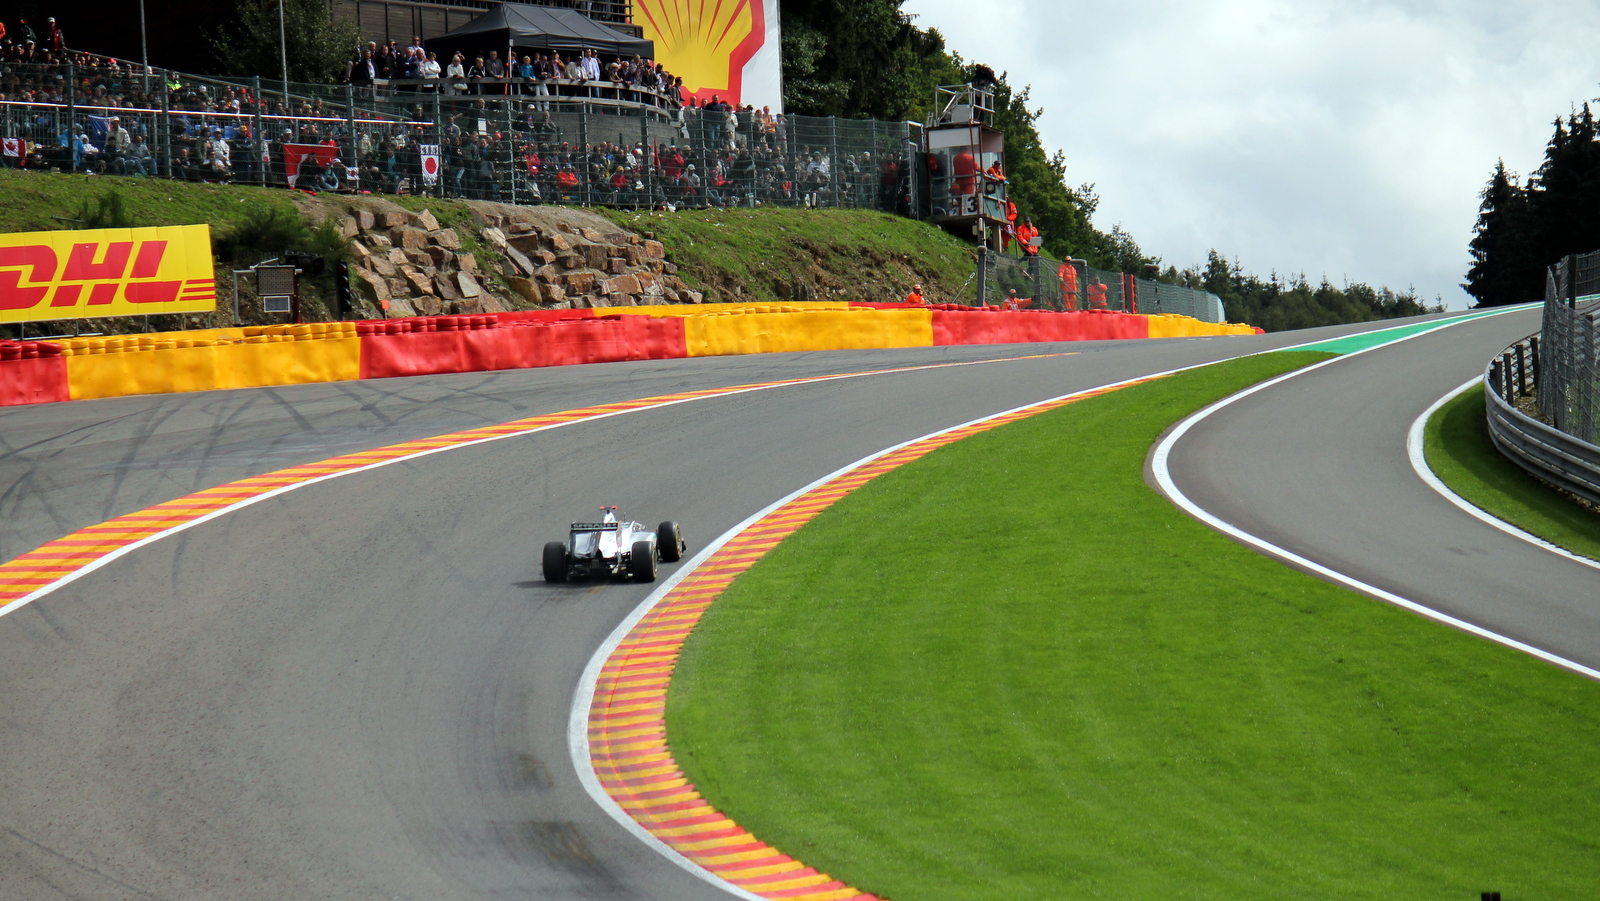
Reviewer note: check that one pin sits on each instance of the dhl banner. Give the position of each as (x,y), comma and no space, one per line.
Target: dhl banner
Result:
(729,49)
(106,272)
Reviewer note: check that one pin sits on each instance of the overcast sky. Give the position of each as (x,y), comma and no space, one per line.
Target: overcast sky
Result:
(1349,139)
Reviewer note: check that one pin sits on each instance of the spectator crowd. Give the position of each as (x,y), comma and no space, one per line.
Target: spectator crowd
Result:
(520,132)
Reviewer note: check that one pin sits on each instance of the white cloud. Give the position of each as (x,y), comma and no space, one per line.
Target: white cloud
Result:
(1348,139)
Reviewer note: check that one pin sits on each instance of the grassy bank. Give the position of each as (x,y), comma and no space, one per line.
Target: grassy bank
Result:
(785,255)
(1010,669)
(732,255)
(1461,454)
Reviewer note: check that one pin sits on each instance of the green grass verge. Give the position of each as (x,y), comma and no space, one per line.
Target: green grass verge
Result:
(1012,670)
(1461,454)
(774,254)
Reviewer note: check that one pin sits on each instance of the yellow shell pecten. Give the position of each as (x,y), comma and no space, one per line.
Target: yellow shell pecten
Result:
(695,39)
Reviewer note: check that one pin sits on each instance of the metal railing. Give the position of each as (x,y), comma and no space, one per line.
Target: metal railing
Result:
(517,146)
(1545,451)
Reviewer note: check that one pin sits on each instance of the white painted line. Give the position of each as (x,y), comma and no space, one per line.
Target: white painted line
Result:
(1160,466)
(1416,450)
(583,697)
(123,551)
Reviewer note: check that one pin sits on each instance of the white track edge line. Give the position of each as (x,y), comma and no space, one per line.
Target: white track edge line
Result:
(1416,449)
(1159,467)
(123,551)
(583,697)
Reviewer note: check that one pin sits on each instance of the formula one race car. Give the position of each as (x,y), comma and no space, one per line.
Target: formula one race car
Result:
(614,548)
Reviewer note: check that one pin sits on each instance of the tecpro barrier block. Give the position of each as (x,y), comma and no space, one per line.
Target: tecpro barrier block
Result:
(847,329)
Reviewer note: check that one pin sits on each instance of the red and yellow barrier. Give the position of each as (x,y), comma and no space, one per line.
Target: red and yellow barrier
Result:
(79,368)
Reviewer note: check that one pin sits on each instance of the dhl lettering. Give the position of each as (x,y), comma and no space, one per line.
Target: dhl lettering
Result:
(81,266)
(106,272)
(149,261)
(41,260)
(153,292)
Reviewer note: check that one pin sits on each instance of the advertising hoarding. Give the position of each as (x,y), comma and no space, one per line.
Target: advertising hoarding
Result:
(106,272)
(731,49)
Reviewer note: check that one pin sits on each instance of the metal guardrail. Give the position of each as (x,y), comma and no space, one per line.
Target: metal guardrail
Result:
(1543,450)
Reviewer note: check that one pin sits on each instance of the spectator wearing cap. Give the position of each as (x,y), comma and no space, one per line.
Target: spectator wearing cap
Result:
(53,39)
(915,297)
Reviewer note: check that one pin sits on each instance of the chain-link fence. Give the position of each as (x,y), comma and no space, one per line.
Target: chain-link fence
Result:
(503,141)
(1039,282)
(1568,356)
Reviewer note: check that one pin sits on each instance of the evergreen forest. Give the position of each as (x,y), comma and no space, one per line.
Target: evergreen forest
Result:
(1524,227)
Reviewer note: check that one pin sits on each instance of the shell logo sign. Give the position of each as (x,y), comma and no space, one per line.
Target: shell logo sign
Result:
(729,48)
(106,272)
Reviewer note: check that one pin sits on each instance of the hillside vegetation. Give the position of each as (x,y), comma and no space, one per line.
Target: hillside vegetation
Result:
(750,255)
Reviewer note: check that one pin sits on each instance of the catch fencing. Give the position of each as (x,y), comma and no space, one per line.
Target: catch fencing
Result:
(1568,351)
(1557,366)
(1040,282)
(517,141)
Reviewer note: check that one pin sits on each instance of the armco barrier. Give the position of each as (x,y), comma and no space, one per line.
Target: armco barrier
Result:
(79,368)
(1539,448)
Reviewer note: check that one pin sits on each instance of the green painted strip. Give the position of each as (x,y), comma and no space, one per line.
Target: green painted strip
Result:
(1353,343)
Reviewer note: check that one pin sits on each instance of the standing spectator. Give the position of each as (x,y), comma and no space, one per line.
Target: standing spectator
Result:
(364,69)
(496,70)
(591,65)
(431,72)
(456,74)
(53,39)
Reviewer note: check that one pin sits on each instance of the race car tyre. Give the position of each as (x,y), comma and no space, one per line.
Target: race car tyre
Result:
(669,539)
(642,562)
(555,562)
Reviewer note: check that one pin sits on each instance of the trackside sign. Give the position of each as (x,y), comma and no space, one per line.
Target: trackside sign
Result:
(106,272)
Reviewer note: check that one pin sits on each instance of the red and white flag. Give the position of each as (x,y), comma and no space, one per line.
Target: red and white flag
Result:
(294,155)
(11,146)
(430,163)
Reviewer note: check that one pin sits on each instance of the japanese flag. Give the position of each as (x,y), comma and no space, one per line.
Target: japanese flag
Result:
(430,163)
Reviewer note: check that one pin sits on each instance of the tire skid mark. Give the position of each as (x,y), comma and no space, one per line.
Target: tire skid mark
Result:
(36,573)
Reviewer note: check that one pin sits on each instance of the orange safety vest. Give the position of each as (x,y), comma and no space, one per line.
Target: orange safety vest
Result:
(914,298)
(1097,296)
(1068,274)
(1025,235)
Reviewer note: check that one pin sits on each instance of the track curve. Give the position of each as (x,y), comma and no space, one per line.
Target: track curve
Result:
(1318,466)
(360,690)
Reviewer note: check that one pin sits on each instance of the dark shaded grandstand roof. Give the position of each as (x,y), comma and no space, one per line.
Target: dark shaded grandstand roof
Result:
(522,26)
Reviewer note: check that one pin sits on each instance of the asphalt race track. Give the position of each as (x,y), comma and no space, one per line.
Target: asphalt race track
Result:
(359,690)
(1317,465)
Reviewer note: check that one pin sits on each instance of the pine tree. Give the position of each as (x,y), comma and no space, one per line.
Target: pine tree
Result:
(1506,264)
(1564,195)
